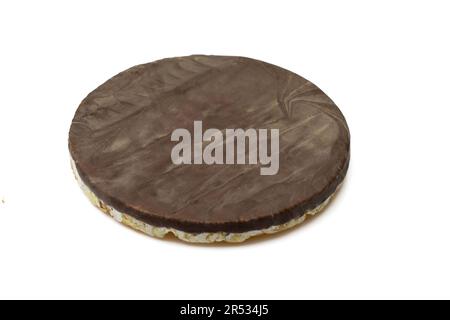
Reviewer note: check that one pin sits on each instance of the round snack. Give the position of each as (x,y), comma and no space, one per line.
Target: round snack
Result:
(209,148)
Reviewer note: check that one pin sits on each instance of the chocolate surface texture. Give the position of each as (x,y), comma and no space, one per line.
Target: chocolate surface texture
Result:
(120,143)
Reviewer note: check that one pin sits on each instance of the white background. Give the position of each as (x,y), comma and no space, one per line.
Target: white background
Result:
(386,64)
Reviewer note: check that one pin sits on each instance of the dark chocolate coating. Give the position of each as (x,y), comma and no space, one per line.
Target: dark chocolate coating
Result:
(120,142)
